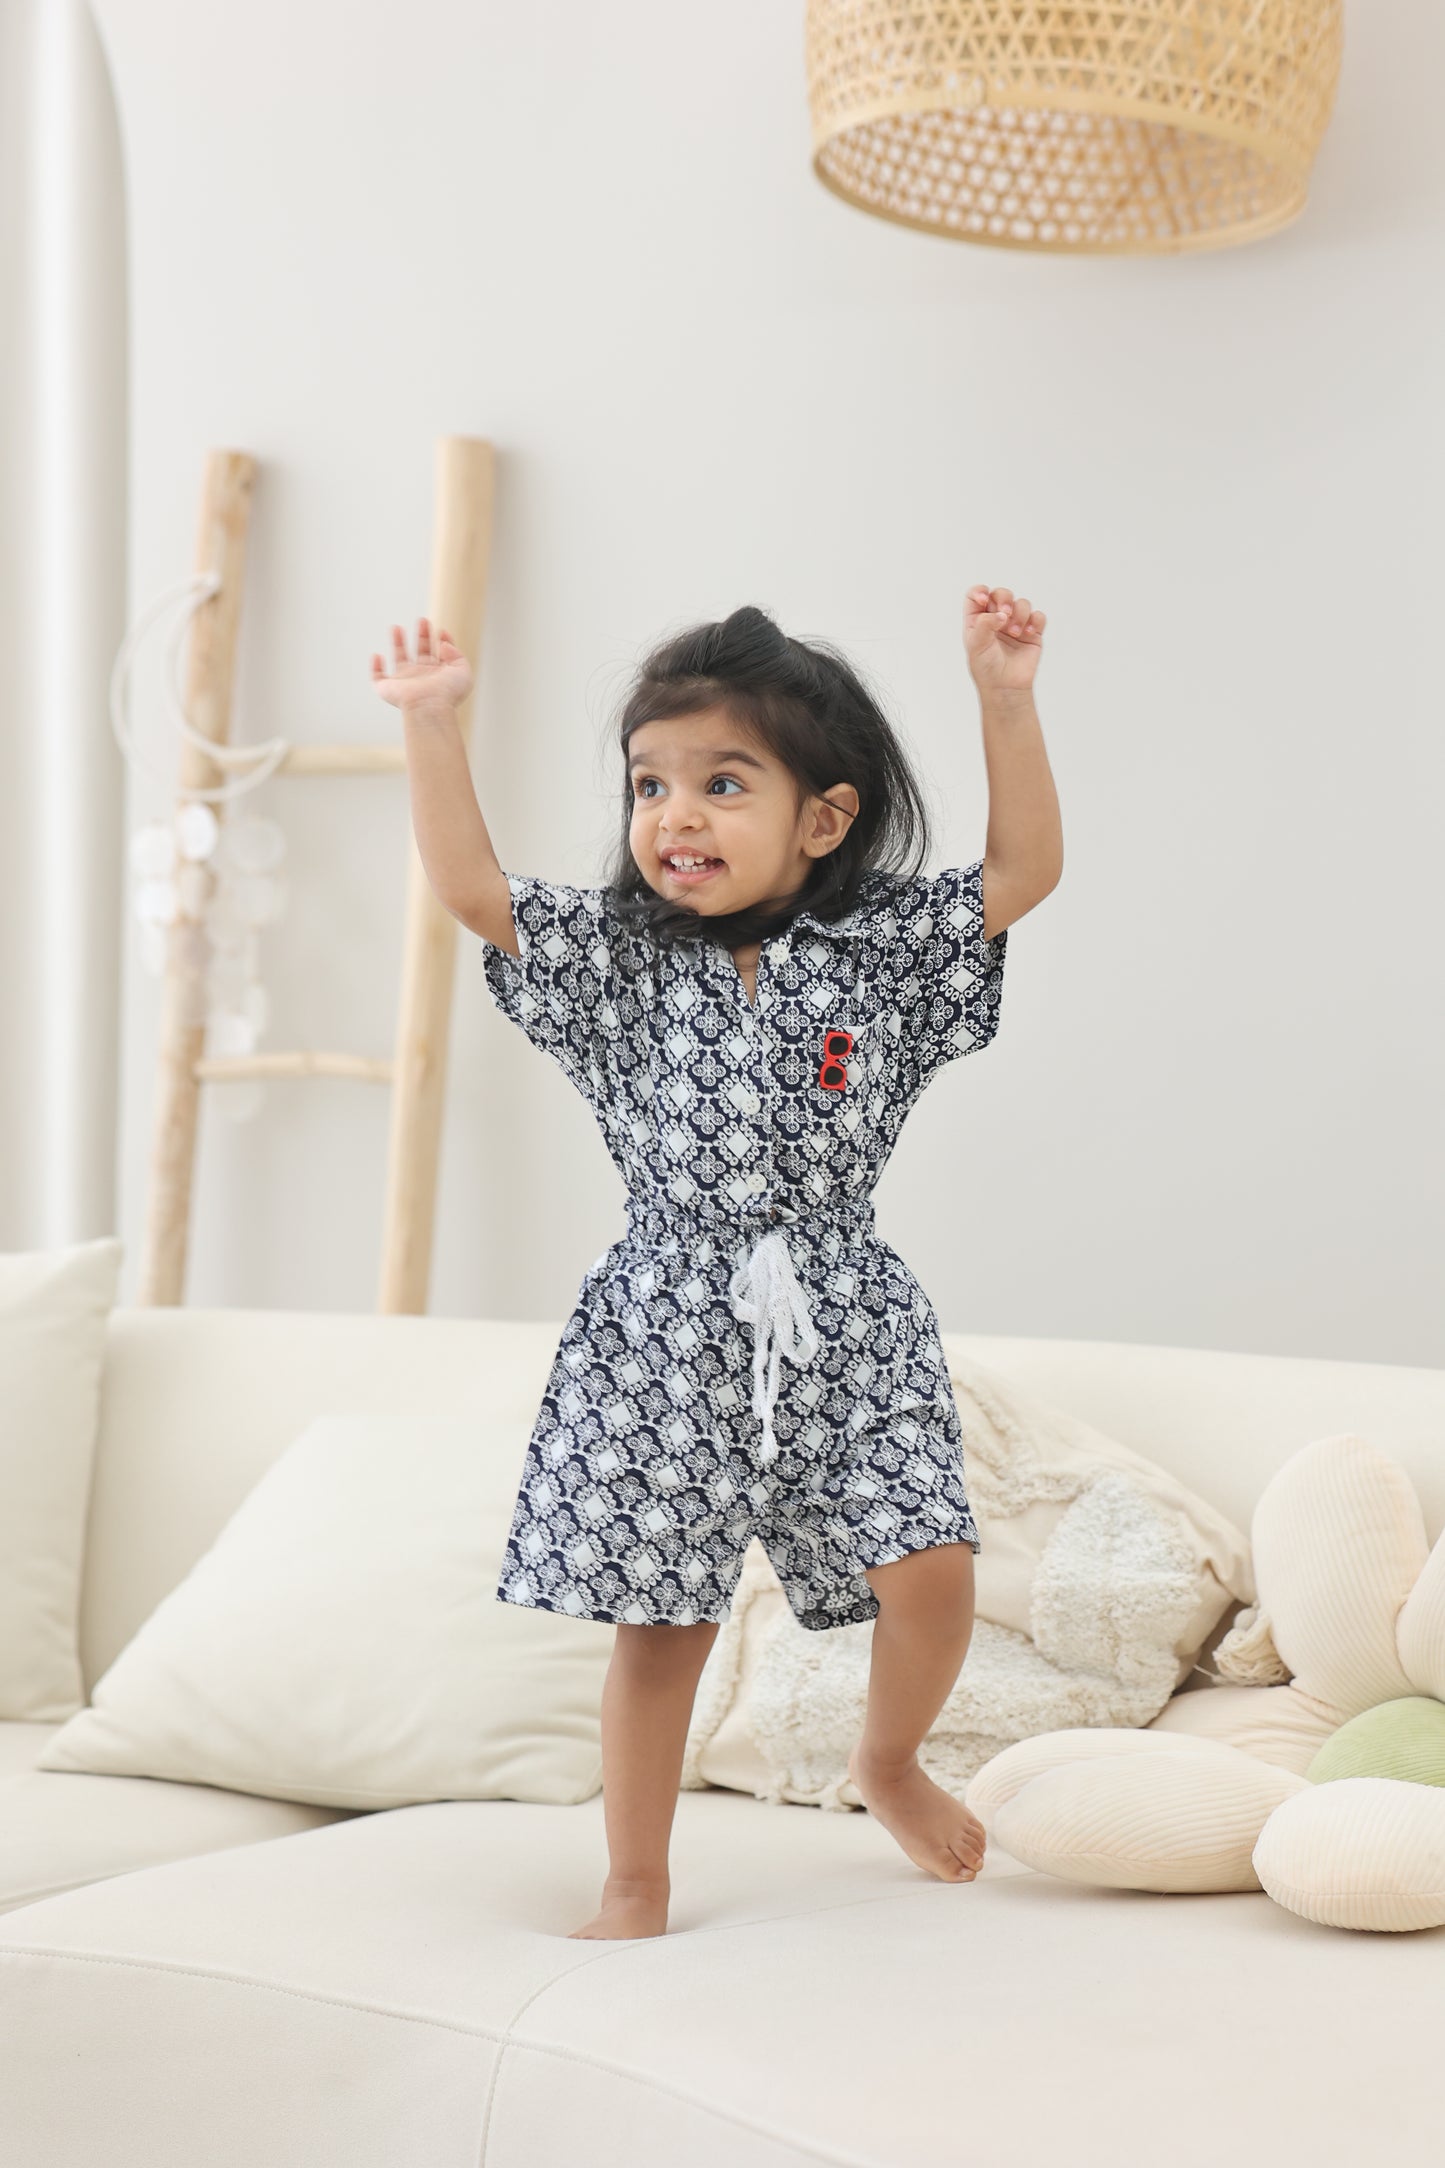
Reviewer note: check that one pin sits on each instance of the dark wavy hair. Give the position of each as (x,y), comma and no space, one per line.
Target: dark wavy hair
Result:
(812,710)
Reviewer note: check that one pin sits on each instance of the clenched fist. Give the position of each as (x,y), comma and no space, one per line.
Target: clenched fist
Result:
(1003,639)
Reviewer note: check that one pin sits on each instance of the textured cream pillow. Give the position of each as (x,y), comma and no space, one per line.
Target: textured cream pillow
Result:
(342,1641)
(1177,1563)
(54,1305)
(1099,1577)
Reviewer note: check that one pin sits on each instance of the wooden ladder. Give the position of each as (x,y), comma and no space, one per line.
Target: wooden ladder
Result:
(416,1071)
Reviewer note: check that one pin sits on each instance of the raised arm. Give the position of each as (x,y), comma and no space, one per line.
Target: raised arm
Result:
(451,836)
(1024,847)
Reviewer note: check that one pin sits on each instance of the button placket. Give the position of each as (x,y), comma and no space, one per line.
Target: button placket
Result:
(764,1075)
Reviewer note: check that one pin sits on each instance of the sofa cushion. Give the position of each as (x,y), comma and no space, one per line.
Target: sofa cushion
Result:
(342,1642)
(20,1746)
(59,1833)
(402,1987)
(54,1305)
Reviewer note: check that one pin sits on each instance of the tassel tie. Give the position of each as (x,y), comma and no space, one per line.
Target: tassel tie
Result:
(766,1294)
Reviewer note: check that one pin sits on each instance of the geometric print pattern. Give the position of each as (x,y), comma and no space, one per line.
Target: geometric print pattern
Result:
(647,1474)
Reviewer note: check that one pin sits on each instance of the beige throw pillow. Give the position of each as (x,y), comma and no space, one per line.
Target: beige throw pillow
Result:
(54,1305)
(342,1641)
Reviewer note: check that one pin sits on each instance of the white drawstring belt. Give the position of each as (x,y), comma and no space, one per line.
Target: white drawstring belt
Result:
(766,1295)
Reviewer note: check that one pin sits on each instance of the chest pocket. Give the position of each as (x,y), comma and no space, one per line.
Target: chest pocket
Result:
(827,989)
(841,1108)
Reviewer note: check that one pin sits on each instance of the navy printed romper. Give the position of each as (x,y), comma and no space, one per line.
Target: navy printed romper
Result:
(750,1358)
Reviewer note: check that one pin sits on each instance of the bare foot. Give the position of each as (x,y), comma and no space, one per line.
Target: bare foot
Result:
(936,1830)
(629,1910)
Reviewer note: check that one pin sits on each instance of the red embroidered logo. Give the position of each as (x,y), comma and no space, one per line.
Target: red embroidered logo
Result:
(837,1045)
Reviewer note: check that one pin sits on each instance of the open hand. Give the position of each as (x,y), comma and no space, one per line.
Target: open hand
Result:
(441,676)
(1002,638)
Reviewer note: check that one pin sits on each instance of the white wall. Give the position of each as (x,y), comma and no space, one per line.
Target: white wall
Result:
(1211,1116)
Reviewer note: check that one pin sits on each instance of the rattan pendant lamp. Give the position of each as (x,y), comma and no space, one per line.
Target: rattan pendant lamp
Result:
(1112,127)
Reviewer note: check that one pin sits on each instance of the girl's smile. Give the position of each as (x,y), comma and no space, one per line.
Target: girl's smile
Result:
(693,876)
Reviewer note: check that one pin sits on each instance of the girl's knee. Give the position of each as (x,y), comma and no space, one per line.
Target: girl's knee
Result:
(925,1583)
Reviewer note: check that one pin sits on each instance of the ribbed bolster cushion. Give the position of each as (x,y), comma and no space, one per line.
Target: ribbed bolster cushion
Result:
(1339,1544)
(1364,1852)
(1017,1765)
(1183,1818)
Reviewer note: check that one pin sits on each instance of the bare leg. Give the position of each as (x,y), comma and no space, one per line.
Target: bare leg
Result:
(920,1638)
(647,1700)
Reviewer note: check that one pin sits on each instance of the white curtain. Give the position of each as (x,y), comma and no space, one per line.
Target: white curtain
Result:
(62,616)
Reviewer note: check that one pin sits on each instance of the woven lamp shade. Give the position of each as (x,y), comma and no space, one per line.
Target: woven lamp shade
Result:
(1124,127)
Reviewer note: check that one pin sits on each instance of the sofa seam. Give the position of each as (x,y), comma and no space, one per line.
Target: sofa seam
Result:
(263,1987)
(505,2036)
(60,1889)
(694,2100)
(509,2037)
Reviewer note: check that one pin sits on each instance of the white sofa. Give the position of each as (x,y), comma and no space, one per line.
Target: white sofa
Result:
(194,1978)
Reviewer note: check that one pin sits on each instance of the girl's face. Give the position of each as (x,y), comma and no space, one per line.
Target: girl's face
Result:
(703,787)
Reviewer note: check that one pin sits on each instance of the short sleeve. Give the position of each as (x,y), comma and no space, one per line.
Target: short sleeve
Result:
(560,990)
(948,977)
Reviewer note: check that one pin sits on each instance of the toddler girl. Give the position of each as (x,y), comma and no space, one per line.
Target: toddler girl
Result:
(751,1004)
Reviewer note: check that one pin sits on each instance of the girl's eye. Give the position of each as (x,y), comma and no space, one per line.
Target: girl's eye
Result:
(643,782)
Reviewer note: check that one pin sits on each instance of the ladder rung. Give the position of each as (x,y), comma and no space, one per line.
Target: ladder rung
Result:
(229,1068)
(343,760)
